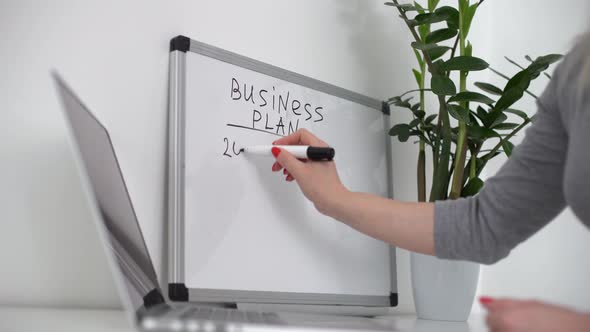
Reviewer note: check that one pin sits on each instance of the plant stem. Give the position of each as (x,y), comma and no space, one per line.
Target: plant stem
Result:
(461,152)
(440,181)
(514,63)
(472,164)
(455,46)
(441,173)
(415,90)
(421,169)
(436,145)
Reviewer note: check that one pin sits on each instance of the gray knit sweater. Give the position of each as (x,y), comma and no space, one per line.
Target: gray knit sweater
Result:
(548,171)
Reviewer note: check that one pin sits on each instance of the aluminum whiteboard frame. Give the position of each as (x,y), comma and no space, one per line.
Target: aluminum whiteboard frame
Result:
(176,168)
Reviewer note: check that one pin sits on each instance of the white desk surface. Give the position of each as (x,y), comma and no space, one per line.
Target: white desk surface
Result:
(14,319)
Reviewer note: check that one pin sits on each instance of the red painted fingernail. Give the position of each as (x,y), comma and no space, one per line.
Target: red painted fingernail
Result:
(275,142)
(285,171)
(485,300)
(275,151)
(275,167)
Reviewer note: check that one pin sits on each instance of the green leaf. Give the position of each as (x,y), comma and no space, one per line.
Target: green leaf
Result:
(541,64)
(517,113)
(508,147)
(430,118)
(442,85)
(397,101)
(432,4)
(505,126)
(469,49)
(514,90)
(549,58)
(474,118)
(436,66)
(452,16)
(489,88)
(471,96)
(535,69)
(465,63)
(521,81)
(414,123)
(429,18)
(481,113)
(419,134)
(417,76)
(421,9)
(463,4)
(402,131)
(468,18)
(481,133)
(473,187)
(440,35)
(419,113)
(423,31)
(436,53)
(494,118)
(428,47)
(405,7)
(459,113)
(418,57)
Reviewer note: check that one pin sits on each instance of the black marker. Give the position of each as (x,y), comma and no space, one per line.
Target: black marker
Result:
(299,151)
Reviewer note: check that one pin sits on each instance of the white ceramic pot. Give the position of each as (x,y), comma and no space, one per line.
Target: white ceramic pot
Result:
(443,289)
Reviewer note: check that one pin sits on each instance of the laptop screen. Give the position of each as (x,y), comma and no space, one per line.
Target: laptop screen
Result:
(101,165)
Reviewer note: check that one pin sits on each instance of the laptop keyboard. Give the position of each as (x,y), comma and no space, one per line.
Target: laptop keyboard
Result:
(191,318)
(230,315)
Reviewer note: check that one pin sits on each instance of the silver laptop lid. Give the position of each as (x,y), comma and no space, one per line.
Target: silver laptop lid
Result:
(112,199)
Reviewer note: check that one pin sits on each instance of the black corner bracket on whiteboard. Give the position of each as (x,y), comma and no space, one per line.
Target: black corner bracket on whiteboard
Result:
(178,292)
(385,108)
(393,299)
(180,43)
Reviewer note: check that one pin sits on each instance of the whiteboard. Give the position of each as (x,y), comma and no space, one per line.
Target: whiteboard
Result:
(246,231)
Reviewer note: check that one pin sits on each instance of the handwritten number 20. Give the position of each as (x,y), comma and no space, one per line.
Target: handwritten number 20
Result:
(233,149)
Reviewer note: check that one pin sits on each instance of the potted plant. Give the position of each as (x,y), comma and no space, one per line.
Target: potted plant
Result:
(468,129)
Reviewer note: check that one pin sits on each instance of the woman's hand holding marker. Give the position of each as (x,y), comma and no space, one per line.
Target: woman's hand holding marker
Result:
(318,181)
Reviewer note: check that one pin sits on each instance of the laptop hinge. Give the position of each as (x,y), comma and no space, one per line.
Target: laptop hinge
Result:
(153,298)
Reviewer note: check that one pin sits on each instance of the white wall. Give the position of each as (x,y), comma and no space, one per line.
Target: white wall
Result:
(114,54)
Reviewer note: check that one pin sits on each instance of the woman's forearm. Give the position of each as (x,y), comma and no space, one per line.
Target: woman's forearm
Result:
(406,225)
(402,224)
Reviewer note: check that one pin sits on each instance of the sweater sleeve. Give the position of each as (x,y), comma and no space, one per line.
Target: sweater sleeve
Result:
(524,195)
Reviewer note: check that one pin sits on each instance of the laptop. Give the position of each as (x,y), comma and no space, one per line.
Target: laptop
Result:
(131,265)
